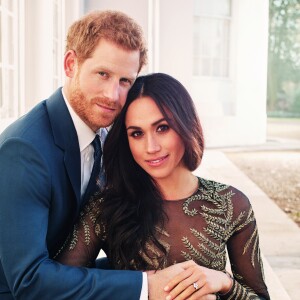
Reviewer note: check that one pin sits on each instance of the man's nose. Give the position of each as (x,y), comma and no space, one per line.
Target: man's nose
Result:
(111,90)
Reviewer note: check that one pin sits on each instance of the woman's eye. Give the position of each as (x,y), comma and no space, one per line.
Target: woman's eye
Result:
(163,128)
(136,133)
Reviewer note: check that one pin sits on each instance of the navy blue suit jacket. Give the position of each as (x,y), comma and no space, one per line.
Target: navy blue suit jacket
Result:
(39,202)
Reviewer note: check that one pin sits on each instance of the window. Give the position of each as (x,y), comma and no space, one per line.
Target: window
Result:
(212,20)
(57,42)
(8,59)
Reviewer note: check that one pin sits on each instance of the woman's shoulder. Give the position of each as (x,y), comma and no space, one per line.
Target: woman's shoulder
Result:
(224,191)
(227,200)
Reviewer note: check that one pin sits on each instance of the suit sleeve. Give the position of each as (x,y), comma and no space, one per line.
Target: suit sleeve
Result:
(25,202)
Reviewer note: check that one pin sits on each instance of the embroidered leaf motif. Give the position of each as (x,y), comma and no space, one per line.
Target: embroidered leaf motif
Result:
(216,208)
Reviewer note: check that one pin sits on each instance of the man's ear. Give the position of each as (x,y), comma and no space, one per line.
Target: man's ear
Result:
(70,63)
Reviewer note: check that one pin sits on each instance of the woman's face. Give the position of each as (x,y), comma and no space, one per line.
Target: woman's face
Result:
(155,146)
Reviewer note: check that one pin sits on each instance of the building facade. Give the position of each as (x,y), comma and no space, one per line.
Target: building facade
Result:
(216,48)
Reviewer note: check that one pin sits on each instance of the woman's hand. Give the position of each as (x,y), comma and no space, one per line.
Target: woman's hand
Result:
(197,283)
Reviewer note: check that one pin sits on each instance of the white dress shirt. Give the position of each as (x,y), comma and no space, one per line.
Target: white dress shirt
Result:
(85,137)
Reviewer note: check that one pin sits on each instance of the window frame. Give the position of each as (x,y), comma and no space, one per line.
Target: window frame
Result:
(9,60)
(58,41)
(198,56)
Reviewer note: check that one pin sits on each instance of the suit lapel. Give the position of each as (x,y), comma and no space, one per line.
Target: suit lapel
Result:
(65,137)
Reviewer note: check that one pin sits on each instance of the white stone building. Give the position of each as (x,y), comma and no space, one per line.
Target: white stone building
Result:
(216,48)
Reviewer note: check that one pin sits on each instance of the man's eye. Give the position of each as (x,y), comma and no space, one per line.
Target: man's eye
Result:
(103,74)
(163,128)
(126,81)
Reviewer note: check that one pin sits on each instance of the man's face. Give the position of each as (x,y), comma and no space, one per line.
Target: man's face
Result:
(100,84)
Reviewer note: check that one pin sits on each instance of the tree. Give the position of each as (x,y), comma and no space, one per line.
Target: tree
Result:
(284,53)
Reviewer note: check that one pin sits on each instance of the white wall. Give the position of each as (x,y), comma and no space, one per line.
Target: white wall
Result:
(168,28)
(176,40)
(38,51)
(38,59)
(251,68)
(233,110)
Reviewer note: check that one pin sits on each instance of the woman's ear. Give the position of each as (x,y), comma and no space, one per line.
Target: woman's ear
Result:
(70,63)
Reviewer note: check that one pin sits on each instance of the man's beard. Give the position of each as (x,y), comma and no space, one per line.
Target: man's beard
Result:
(83,108)
(79,103)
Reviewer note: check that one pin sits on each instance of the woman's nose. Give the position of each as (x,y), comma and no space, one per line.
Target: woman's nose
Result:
(152,144)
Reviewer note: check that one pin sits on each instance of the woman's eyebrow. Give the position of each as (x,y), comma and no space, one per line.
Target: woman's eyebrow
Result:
(153,124)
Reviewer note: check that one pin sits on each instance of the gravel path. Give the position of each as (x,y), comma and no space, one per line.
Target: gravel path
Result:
(276,170)
(277,173)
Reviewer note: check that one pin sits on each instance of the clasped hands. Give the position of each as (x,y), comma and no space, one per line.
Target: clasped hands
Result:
(187,280)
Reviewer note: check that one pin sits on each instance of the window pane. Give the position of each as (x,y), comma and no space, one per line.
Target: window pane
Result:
(216,68)
(212,7)
(225,68)
(8,4)
(10,40)
(55,21)
(10,94)
(211,37)
(205,67)
(225,37)
(8,64)
(0,35)
(57,42)
(1,94)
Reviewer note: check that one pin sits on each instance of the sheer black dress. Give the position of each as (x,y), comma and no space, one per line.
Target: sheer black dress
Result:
(215,221)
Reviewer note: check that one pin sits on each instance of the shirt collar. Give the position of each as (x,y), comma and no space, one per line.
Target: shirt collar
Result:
(85,134)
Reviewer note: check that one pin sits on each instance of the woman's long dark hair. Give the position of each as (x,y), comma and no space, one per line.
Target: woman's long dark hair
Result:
(132,206)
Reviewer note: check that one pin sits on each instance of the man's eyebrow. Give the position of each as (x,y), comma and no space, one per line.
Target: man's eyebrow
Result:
(130,77)
(105,69)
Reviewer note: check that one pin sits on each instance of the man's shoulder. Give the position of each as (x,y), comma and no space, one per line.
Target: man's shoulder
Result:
(25,124)
(33,123)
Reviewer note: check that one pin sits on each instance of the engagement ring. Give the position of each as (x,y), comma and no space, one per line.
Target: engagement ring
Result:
(195,285)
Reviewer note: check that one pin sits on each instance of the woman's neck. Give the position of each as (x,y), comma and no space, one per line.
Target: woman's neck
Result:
(183,186)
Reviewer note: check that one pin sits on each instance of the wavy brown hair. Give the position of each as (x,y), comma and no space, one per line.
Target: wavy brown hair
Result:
(132,206)
(84,34)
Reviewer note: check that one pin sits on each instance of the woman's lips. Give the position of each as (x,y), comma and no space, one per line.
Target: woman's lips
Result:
(157,161)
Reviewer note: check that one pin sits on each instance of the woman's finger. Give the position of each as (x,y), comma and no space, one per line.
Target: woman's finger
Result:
(189,291)
(186,287)
(178,279)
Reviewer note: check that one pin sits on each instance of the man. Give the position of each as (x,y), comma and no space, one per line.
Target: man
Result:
(46,159)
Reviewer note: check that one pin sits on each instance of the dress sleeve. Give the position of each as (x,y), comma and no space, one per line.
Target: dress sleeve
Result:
(244,254)
(86,240)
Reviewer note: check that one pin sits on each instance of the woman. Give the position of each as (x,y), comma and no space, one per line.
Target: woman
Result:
(155,212)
